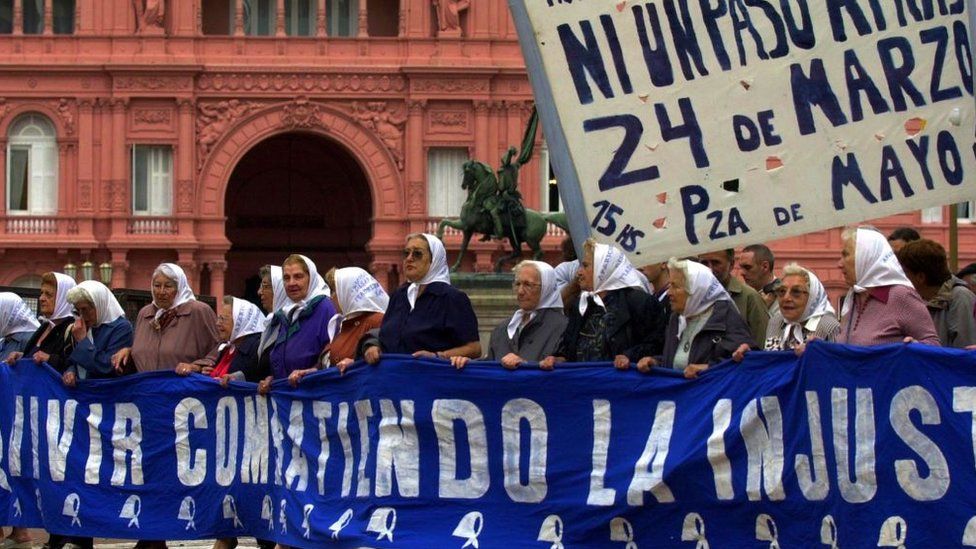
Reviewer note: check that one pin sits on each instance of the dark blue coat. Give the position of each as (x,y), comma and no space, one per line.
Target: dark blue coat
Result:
(442,319)
(92,358)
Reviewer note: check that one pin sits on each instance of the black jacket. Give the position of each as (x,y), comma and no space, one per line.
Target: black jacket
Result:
(637,330)
(721,335)
(58,344)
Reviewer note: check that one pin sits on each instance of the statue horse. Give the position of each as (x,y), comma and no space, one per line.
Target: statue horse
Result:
(474,219)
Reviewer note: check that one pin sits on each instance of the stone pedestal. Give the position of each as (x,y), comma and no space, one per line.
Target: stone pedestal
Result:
(491,296)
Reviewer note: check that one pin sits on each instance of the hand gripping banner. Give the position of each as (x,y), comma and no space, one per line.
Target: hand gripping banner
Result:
(844,447)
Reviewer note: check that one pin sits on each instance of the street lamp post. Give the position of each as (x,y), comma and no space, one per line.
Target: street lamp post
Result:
(87,270)
(70,269)
(105,270)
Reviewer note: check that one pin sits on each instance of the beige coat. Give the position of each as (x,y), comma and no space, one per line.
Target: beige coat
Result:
(189,336)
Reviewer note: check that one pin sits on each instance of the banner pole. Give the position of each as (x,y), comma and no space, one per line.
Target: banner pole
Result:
(954,237)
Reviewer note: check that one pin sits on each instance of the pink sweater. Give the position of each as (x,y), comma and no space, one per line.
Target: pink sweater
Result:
(890,314)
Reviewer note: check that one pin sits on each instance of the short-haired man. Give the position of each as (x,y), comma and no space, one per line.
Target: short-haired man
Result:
(756,265)
(901,236)
(751,306)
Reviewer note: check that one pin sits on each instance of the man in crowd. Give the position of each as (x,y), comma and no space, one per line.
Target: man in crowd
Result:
(901,236)
(756,265)
(751,306)
(659,277)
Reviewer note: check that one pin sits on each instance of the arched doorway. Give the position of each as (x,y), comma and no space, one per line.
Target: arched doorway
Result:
(295,193)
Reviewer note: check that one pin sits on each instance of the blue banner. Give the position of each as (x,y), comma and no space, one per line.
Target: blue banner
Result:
(844,447)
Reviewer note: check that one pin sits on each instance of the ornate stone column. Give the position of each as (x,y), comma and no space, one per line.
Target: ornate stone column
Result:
(481,129)
(18,17)
(320,19)
(86,153)
(119,171)
(190,267)
(185,160)
(416,197)
(217,270)
(238,17)
(280,18)
(48,18)
(120,269)
(363,20)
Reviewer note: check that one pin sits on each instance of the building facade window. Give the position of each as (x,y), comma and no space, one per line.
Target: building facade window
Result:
(300,17)
(966,211)
(343,17)
(549,193)
(64,16)
(6,16)
(32,166)
(445,170)
(152,180)
(259,17)
(33,16)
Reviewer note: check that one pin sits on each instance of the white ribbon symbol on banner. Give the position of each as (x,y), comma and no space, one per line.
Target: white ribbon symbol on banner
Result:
(969,535)
(131,510)
(382,523)
(267,511)
(622,530)
(552,530)
(894,532)
(305,513)
(338,525)
(828,532)
(17,510)
(693,529)
(72,505)
(230,510)
(188,511)
(282,518)
(766,530)
(470,528)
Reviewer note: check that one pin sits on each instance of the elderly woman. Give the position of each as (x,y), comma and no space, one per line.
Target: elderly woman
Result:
(174,328)
(616,320)
(705,327)
(51,342)
(949,300)
(534,330)
(17,323)
(804,314)
(100,331)
(881,306)
(302,326)
(361,303)
(239,325)
(426,317)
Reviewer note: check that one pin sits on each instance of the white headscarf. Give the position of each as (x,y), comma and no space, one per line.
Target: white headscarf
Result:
(247,319)
(96,293)
(175,273)
(549,297)
(62,309)
(316,287)
(611,271)
(357,292)
(818,304)
(438,271)
(566,272)
(15,315)
(875,265)
(703,289)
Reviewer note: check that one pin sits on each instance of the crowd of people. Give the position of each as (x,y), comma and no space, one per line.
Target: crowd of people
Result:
(685,314)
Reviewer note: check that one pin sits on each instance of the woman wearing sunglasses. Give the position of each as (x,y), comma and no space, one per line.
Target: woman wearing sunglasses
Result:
(804,313)
(426,317)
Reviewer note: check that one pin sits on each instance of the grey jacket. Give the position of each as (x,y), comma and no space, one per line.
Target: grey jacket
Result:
(952,312)
(827,330)
(721,335)
(537,340)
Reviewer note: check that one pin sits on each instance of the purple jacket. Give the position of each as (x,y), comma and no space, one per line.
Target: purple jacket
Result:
(301,341)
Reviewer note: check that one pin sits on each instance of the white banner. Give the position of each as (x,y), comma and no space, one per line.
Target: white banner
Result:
(684,126)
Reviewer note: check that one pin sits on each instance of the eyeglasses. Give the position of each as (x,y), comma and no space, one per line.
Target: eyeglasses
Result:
(415,253)
(527,285)
(265,286)
(795,293)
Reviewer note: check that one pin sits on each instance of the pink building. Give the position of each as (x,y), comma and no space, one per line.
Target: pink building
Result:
(224,134)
